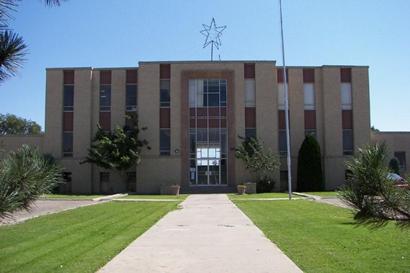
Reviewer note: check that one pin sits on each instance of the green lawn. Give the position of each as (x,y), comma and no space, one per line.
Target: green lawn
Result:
(321,238)
(70,196)
(235,196)
(146,196)
(324,193)
(79,241)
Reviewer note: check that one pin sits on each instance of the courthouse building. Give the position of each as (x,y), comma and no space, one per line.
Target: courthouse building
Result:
(195,112)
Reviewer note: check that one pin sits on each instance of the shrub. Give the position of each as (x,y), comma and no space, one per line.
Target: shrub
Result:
(394,165)
(309,173)
(370,192)
(261,162)
(24,175)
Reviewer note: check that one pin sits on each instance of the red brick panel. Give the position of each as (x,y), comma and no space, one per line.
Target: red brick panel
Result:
(282,119)
(164,118)
(347,119)
(310,119)
(68,76)
(105,77)
(105,120)
(250,117)
(308,75)
(165,71)
(280,75)
(132,76)
(346,75)
(68,121)
(249,71)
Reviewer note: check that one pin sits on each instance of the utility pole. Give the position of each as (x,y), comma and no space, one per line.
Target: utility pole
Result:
(285,79)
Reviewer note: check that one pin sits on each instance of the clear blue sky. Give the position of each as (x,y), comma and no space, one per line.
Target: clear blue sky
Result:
(110,33)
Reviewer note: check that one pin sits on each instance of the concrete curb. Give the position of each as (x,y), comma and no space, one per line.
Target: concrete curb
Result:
(310,196)
(267,199)
(110,197)
(146,200)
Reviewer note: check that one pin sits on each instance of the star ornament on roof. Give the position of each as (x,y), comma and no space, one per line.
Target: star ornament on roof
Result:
(213,34)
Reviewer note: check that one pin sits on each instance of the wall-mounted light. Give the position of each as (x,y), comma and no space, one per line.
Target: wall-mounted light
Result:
(176,151)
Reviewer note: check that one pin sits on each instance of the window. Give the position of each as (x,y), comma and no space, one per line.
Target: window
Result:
(165,141)
(67,144)
(347,141)
(67,177)
(346,96)
(105,98)
(131,97)
(68,98)
(309,96)
(250,133)
(282,142)
(250,96)
(281,96)
(131,181)
(401,157)
(165,96)
(104,177)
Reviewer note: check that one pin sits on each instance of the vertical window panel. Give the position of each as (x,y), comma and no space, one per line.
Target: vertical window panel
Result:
(68,97)
(68,77)
(165,141)
(105,97)
(279,75)
(310,119)
(68,121)
(282,142)
(346,96)
(165,71)
(250,133)
(249,71)
(347,141)
(282,119)
(309,96)
(308,75)
(281,96)
(105,77)
(132,76)
(131,97)
(105,121)
(346,75)
(67,144)
(250,94)
(165,93)
(164,118)
(250,117)
(347,119)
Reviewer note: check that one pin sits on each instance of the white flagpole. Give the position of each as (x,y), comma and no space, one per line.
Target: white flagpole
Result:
(285,79)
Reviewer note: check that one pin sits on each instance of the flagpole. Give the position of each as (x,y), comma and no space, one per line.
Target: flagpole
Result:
(285,79)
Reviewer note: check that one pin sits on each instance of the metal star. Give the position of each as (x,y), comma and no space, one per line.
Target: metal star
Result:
(213,34)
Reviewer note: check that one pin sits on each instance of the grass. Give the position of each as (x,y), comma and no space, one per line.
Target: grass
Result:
(235,196)
(146,196)
(324,193)
(70,196)
(321,238)
(80,240)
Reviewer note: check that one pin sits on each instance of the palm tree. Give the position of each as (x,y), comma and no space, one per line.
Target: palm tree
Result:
(12,46)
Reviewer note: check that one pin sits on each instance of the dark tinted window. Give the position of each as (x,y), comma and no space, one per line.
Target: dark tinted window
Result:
(165,90)
(105,98)
(68,99)
(131,97)
(165,141)
(67,144)
(250,133)
(347,142)
(401,157)
(282,142)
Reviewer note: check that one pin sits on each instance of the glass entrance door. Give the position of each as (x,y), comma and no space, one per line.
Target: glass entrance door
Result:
(208,132)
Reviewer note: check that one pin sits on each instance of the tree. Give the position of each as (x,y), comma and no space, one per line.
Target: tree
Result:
(12,125)
(24,175)
(262,163)
(375,198)
(12,47)
(309,174)
(119,149)
(394,165)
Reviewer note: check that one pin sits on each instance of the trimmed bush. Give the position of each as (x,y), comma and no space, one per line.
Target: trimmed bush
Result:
(309,174)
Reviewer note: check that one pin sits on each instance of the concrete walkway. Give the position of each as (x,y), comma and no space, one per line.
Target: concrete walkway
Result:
(43,207)
(208,235)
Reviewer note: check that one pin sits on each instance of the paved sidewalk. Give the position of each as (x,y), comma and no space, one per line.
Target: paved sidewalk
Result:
(208,235)
(43,207)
